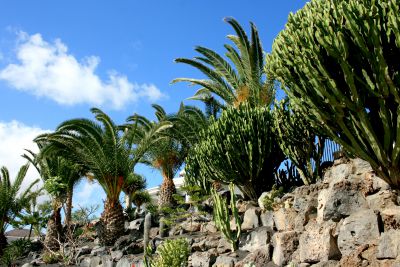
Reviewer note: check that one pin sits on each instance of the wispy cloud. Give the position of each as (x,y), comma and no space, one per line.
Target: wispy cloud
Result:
(47,69)
(15,137)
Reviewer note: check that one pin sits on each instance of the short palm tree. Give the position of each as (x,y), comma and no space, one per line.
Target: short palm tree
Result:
(139,198)
(243,81)
(135,182)
(12,200)
(110,155)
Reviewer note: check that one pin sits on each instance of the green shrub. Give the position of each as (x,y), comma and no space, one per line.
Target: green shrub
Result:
(269,200)
(50,258)
(240,147)
(14,250)
(338,63)
(172,252)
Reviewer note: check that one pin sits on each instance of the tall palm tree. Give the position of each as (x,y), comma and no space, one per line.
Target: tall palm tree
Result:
(110,154)
(57,172)
(245,80)
(12,200)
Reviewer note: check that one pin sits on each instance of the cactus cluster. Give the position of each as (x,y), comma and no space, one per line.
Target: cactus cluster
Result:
(172,252)
(222,218)
(299,141)
(338,63)
(240,147)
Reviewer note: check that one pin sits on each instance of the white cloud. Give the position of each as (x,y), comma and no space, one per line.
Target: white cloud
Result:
(88,193)
(15,137)
(47,70)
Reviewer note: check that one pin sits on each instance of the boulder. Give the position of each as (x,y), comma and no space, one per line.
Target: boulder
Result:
(136,224)
(223,246)
(389,245)
(382,199)
(267,219)
(191,226)
(358,229)
(391,218)
(209,227)
(285,244)
(317,243)
(330,263)
(202,259)
(106,261)
(205,243)
(116,255)
(251,218)
(98,251)
(225,261)
(256,240)
(259,258)
(284,219)
(243,205)
(124,262)
(261,199)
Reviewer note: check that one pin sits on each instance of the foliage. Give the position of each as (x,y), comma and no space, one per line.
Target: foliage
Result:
(85,214)
(240,147)
(50,258)
(338,63)
(15,250)
(269,200)
(297,139)
(288,177)
(222,218)
(172,252)
(244,81)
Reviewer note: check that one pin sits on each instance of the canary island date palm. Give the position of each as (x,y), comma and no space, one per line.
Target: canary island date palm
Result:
(134,182)
(245,80)
(12,199)
(110,155)
(338,63)
(57,173)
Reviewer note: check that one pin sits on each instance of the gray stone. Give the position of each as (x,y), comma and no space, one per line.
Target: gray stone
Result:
(27,265)
(285,244)
(261,199)
(256,240)
(223,246)
(382,199)
(358,229)
(391,218)
(191,226)
(85,262)
(340,200)
(106,261)
(259,258)
(94,261)
(98,251)
(209,227)
(83,251)
(204,244)
(136,224)
(317,243)
(251,219)
(116,255)
(284,219)
(243,205)
(225,261)
(124,262)
(202,259)
(330,263)
(267,219)
(389,245)
(337,173)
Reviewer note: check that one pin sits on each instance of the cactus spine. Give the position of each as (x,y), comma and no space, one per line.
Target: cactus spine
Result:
(338,62)
(222,218)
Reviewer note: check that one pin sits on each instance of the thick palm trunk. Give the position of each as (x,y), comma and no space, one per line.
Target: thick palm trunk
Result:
(3,242)
(54,231)
(112,222)
(68,210)
(167,192)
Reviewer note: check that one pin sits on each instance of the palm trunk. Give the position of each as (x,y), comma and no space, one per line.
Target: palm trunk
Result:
(68,210)
(54,231)
(167,192)
(128,201)
(112,222)
(3,242)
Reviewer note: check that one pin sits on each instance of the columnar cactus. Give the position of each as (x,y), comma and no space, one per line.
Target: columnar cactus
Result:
(240,147)
(299,141)
(222,218)
(338,61)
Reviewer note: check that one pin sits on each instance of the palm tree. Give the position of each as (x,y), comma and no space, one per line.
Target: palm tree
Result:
(135,182)
(139,198)
(109,154)
(244,81)
(12,200)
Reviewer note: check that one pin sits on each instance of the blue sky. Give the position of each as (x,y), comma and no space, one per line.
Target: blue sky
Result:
(60,58)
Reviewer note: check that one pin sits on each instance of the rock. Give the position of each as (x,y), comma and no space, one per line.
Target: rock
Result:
(224,261)
(256,240)
(116,255)
(317,243)
(260,258)
(267,219)
(261,199)
(191,226)
(284,219)
(209,227)
(134,248)
(136,224)
(243,205)
(358,229)
(364,255)
(382,199)
(204,244)
(223,246)
(251,219)
(391,218)
(93,261)
(83,251)
(27,265)
(337,173)
(340,200)
(85,262)
(202,259)
(126,240)
(124,262)
(153,232)
(330,263)
(389,245)
(375,183)
(106,261)
(98,251)
(285,244)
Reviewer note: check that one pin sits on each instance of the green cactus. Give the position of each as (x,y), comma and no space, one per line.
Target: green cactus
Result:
(338,62)
(222,218)
(172,252)
(240,147)
(297,139)
(146,229)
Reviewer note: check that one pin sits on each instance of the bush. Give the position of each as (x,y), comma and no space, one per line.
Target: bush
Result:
(14,250)
(170,253)
(338,63)
(240,147)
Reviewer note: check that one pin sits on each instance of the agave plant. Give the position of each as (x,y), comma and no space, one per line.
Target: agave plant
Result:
(110,154)
(12,199)
(233,84)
